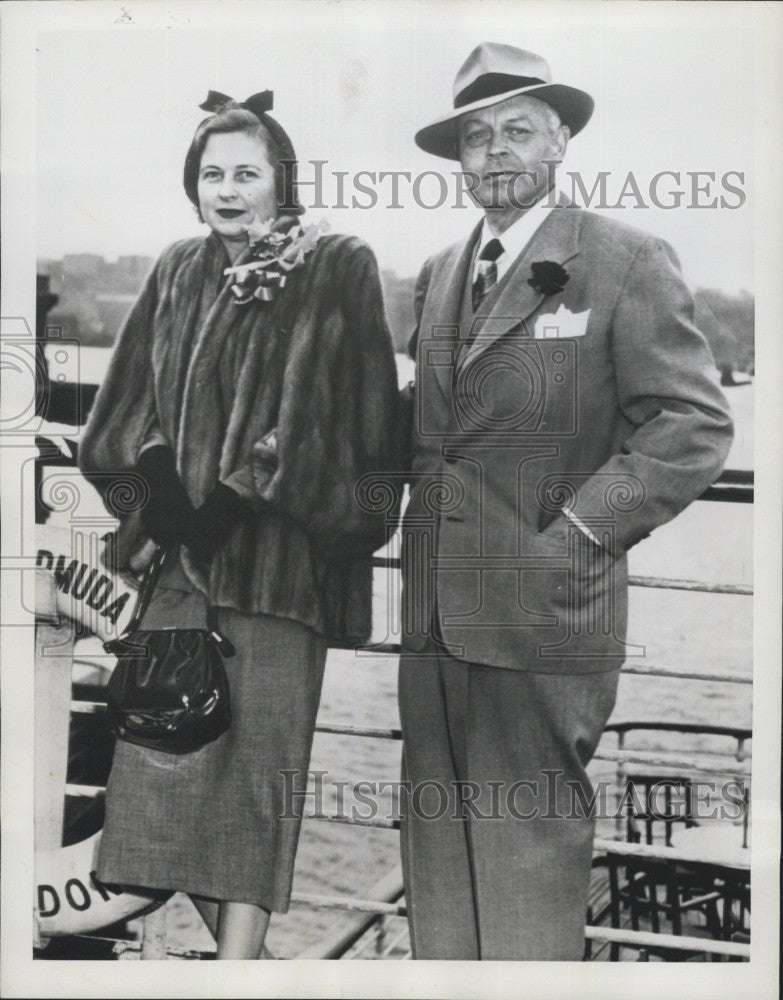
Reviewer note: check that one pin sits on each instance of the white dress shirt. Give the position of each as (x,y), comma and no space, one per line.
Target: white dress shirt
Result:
(516,237)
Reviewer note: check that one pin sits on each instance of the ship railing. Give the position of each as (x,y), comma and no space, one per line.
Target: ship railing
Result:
(383,903)
(734,486)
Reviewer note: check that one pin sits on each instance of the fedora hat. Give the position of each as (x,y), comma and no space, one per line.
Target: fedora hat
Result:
(492,73)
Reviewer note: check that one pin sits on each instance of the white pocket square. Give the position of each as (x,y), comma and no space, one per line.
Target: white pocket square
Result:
(563,323)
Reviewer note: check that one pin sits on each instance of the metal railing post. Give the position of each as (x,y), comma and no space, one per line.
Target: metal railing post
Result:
(153,940)
(620,777)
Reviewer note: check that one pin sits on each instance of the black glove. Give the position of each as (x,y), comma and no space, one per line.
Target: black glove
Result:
(169,516)
(214,521)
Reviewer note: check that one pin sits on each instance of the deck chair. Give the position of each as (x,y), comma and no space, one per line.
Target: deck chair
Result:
(664,897)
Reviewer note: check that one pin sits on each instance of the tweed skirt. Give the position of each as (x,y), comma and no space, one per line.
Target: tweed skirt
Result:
(223,822)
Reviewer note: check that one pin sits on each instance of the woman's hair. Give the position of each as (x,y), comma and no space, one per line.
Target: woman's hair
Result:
(232,117)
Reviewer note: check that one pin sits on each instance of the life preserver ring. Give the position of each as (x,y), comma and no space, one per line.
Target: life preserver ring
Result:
(86,591)
(69,898)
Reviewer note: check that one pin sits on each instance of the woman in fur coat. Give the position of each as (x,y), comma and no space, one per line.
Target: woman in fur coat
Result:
(251,405)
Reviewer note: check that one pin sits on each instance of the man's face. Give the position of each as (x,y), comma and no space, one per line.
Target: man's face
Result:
(506,147)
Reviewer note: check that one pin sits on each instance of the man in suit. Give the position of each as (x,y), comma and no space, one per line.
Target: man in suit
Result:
(564,407)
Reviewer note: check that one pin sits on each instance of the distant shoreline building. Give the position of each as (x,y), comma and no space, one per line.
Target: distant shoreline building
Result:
(96,296)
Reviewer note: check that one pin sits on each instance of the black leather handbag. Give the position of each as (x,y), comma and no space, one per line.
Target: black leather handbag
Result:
(169,690)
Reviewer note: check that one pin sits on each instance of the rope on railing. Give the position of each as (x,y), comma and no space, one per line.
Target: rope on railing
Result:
(375,732)
(84,791)
(644,939)
(707,765)
(649,670)
(351,904)
(379,824)
(693,585)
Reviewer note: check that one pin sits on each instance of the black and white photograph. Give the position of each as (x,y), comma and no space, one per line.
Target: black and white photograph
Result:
(391,492)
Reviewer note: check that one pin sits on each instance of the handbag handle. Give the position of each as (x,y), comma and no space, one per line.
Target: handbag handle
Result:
(147,589)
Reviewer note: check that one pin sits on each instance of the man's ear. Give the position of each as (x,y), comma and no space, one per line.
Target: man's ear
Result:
(560,140)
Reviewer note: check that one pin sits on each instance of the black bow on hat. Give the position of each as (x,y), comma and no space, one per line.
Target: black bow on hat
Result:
(258,104)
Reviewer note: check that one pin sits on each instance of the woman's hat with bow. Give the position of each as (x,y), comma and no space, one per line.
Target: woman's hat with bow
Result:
(492,73)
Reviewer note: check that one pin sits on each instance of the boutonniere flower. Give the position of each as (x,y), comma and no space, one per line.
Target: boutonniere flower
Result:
(276,248)
(548,278)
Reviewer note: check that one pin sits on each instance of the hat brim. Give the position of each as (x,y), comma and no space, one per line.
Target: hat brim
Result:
(574,107)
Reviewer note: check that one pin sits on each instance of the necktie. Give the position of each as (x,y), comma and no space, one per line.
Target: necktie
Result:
(487,275)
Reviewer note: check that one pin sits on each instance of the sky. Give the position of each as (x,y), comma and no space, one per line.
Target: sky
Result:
(117,103)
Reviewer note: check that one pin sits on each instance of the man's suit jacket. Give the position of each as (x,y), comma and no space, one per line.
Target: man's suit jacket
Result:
(518,412)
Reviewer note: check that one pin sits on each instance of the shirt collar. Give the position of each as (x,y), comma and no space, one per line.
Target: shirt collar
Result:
(519,233)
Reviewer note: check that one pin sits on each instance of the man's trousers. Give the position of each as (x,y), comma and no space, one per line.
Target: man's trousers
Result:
(497,830)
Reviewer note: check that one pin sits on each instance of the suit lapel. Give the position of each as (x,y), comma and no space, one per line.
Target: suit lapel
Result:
(557,240)
(441,320)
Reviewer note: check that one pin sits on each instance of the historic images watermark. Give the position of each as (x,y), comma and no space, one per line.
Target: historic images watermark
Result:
(322,188)
(550,796)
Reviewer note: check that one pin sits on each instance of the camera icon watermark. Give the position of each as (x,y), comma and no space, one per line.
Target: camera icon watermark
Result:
(522,387)
(31,370)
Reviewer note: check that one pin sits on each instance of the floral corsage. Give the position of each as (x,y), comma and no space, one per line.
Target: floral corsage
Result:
(548,277)
(275,248)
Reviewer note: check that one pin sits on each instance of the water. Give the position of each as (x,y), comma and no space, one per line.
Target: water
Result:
(698,632)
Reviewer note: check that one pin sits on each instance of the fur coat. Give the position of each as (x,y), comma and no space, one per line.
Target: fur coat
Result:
(316,366)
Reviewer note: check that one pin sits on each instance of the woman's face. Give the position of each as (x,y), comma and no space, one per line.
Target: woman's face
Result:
(236,183)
